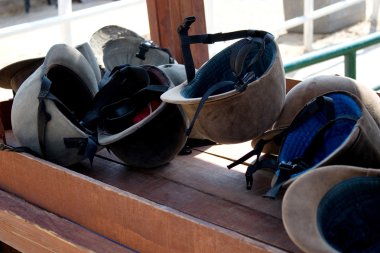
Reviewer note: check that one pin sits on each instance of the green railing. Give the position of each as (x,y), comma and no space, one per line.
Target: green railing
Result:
(348,50)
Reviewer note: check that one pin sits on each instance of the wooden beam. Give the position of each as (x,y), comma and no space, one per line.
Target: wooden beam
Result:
(164,18)
(116,214)
(28,228)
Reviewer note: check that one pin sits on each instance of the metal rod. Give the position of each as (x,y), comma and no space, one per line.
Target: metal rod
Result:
(350,64)
(345,49)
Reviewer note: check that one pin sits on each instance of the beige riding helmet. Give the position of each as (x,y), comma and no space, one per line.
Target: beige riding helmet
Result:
(86,50)
(107,33)
(335,128)
(237,94)
(334,209)
(115,46)
(49,105)
(13,75)
(133,122)
(134,51)
(309,89)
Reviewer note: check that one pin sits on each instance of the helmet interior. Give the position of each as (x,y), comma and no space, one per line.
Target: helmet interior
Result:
(348,215)
(320,133)
(218,68)
(73,93)
(132,107)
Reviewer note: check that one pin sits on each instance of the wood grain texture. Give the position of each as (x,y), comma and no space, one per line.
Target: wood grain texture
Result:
(201,185)
(28,228)
(117,214)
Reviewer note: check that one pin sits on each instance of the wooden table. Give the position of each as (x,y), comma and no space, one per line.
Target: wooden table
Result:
(193,204)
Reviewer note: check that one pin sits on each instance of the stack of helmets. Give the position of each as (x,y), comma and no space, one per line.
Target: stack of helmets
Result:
(50,103)
(238,93)
(326,120)
(332,204)
(128,115)
(64,89)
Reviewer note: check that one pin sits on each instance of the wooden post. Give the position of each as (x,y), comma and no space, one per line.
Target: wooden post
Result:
(164,18)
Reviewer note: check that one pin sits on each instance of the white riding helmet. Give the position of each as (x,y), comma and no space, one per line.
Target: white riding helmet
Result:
(50,103)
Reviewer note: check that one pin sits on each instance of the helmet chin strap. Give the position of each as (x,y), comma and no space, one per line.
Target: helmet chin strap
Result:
(43,116)
(147,45)
(320,103)
(187,40)
(87,147)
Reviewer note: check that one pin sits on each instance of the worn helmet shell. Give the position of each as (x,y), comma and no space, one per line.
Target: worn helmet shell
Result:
(115,46)
(127,51)
(13,75)
(344,198)
(343,132)
(232,116)
(311,88)
(105,34)
(45,120)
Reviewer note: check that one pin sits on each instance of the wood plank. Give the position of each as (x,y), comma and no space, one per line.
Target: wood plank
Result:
(203,172)
(119,215)
(201,186)
(165,16)
(30,229)
(230,152)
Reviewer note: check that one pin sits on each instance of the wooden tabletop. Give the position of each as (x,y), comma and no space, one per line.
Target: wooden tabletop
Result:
(192,204)
(195,200)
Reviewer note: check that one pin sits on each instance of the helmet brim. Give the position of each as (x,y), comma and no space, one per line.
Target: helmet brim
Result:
(302,199)
(174,96)
(13,75)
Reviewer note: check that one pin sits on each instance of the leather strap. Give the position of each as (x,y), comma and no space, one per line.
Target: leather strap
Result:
(123,81)
(43,116)
(320,103)
(119,115)
(147,45)
(187,40)
(205,96)
(87,147)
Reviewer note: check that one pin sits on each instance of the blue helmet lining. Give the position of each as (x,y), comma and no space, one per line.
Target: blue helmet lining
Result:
(218,69)
(299,139)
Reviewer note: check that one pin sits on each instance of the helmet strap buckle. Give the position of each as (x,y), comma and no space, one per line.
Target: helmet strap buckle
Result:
(242,83)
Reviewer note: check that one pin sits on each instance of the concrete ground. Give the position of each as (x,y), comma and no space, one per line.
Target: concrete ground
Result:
(221,16)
